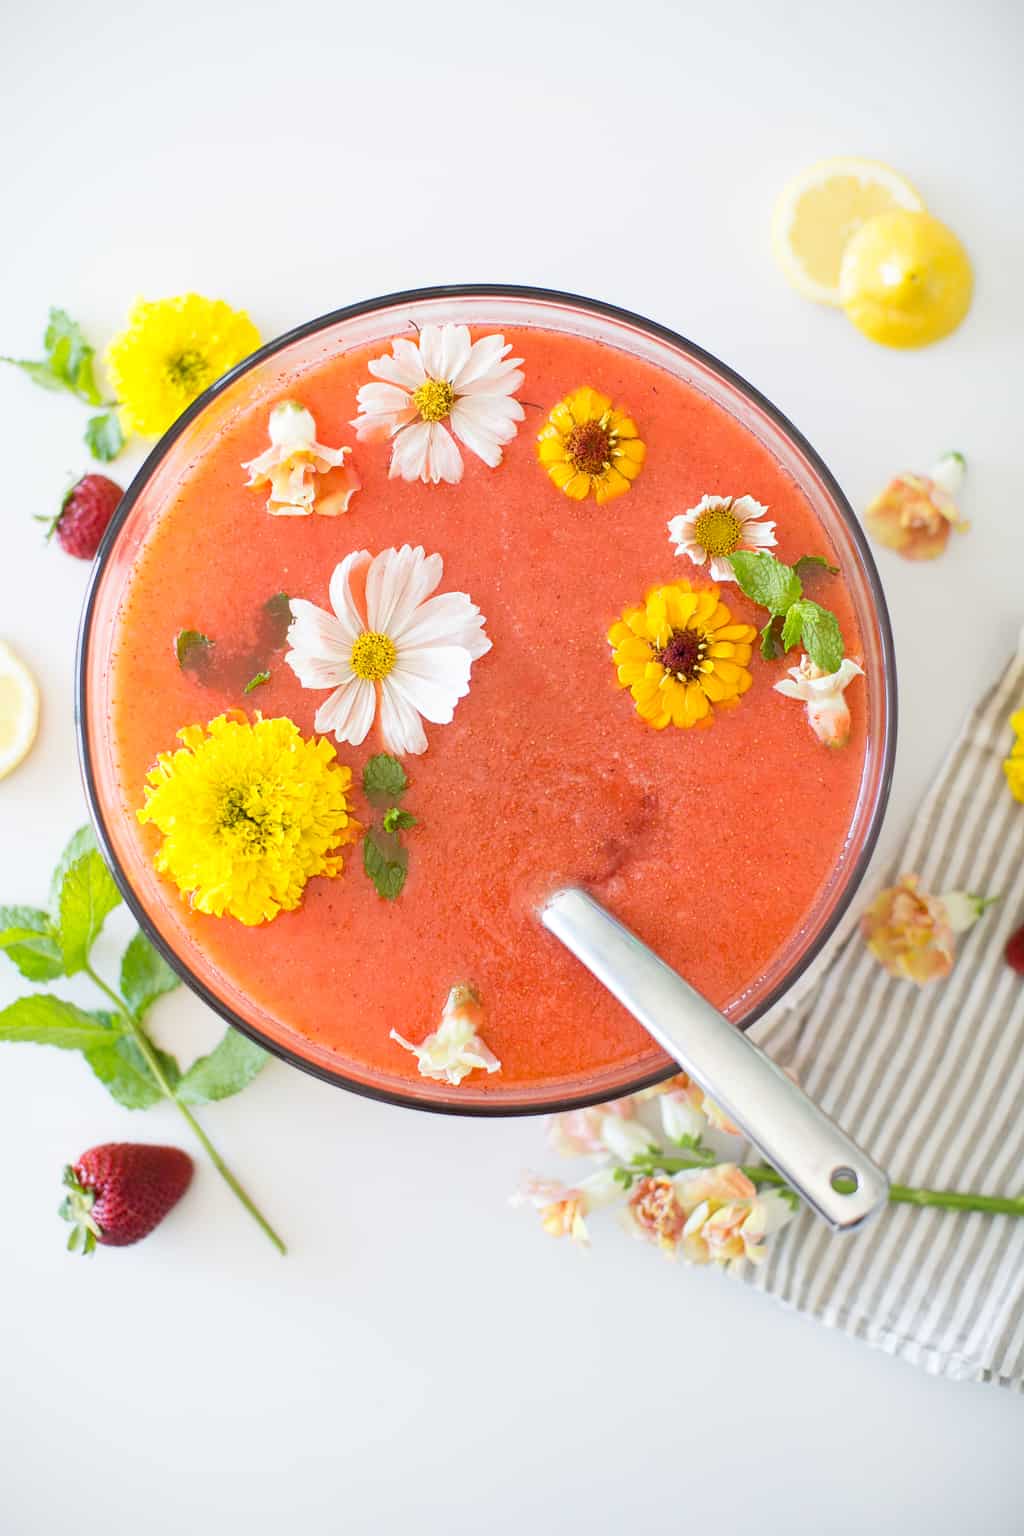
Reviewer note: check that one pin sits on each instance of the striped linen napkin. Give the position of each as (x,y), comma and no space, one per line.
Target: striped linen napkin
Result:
(930,1081)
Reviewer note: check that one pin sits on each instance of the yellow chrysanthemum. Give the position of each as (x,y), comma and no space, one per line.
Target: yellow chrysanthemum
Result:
(587,446)
(249,813)
(172,350)
(1014,764)
(680,654)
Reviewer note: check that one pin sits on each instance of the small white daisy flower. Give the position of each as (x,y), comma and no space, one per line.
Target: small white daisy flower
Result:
(441,378)
(717,527)
(418,648)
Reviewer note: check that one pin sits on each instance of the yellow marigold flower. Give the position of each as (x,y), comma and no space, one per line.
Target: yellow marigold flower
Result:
(680,654)
(1014,764)
(171,351)
(249,813)
(587,445)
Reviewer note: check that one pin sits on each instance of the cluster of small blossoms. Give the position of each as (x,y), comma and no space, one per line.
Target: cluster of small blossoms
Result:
(706,1212)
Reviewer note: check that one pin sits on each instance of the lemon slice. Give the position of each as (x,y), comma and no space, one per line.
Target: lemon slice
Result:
(821,208)
(19,710)
(905,280)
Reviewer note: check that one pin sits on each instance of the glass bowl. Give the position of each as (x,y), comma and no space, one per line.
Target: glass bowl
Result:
(268,372)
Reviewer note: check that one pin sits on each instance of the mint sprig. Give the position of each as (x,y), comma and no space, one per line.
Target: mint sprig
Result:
(385,859)
(793,618)
(68,365)
(47,944)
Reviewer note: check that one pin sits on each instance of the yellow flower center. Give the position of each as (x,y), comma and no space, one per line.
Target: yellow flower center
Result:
(684,654)
(434,400)
(589,447)
(718,530)
(187,369)
(373,656)
(244,815)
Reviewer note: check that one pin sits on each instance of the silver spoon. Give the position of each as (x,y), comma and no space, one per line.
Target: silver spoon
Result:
(791,1132)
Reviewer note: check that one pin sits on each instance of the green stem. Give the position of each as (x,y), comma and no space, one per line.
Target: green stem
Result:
(899,1194)
(152,1061)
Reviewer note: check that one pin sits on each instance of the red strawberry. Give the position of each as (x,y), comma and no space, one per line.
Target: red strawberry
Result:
(1014,951)
(120,1191)
(84,514)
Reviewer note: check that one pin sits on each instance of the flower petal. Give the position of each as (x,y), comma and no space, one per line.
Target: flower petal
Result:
(340,591)
(348,712)
(444,461)
(400,725)
(397,582)
(433,680)
(409,452)
(452,618)
(321,647)
(404,367)
(484,363)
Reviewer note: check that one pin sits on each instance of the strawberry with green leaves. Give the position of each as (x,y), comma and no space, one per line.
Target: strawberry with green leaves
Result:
(118,1192)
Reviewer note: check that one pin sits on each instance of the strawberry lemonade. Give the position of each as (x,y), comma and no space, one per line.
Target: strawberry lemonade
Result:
(436,624)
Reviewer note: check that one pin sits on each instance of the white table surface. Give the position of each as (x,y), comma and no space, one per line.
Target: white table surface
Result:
(425,1358)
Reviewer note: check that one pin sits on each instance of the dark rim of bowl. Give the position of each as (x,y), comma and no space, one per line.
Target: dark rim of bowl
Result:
(392,301)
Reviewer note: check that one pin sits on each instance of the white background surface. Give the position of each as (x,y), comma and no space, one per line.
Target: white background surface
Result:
(425,1358)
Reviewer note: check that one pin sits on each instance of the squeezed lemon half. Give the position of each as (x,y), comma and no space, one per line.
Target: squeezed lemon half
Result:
(905,279)
(820,210)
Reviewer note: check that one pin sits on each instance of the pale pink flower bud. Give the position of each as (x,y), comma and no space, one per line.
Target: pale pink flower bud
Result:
(914,514)
(824,694)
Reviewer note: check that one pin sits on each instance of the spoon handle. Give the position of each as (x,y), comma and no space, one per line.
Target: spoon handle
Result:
(788,1128)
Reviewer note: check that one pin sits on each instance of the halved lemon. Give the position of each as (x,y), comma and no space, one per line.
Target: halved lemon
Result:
(19,710)
(905,279)
(819,211)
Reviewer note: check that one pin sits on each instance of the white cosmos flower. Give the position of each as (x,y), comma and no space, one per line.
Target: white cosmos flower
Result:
(717,527)
(418,648)
(441,378)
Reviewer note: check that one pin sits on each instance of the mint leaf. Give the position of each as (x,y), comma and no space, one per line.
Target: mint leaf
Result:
(384,776)
(792,628)
(765,580)
(397,821)
(256,682)
(386,863)
(70,357)
(27,938)
(145,975)
(82,841)
(123,1071)
(45,1020)
(40,373)
(808,562)
(277,618)
(87,895)
(190,647)
(103,436)
(822,637)
(229,1067)
(770,639)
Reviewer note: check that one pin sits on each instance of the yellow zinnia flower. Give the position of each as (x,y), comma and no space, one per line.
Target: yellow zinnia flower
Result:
(249,813)
(1014,764)
(587,446)
(172,350)
(680,654)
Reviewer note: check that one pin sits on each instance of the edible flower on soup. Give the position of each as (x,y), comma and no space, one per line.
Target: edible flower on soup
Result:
(409,657)
(828,713)
(716,528)
(681,656)
(590,447)
(249,813)
(439,382)
(304,476)
(455,1048)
